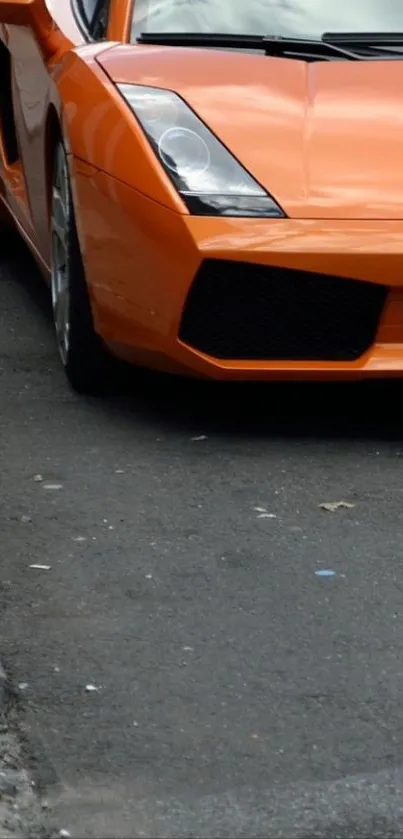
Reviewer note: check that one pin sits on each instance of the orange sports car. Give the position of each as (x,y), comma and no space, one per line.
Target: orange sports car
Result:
(210,187)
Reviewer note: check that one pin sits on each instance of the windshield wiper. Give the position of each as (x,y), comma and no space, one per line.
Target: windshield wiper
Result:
(373,41)
(388,38)
(310,49)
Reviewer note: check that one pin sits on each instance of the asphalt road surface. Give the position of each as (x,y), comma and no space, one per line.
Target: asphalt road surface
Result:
(237,692)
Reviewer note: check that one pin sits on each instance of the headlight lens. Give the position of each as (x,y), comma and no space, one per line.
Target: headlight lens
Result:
(210,180)
(184,152)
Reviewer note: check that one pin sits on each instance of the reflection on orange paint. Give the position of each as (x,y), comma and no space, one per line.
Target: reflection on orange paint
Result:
(323,138)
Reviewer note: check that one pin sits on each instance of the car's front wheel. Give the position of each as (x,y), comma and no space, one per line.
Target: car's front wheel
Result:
(81,352)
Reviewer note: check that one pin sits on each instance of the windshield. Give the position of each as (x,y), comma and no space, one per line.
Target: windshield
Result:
(290,18)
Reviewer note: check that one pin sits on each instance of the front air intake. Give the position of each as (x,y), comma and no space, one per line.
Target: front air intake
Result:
(244,311)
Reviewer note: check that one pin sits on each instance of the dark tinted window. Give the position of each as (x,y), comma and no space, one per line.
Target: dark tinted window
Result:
(86,9)
(93,17)
(100,20)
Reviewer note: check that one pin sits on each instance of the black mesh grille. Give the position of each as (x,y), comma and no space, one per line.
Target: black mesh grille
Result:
(243,311)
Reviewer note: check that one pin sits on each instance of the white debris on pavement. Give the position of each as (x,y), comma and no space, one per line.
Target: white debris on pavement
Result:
(333,506)
(267,516)
(264,513)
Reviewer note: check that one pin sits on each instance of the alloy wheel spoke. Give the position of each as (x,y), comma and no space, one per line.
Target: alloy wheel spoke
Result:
(60,262)
(59,219)
(61,311)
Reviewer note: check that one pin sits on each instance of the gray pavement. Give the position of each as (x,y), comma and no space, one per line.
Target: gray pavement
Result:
(237,693)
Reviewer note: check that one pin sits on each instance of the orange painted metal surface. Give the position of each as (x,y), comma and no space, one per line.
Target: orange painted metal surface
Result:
(323,138)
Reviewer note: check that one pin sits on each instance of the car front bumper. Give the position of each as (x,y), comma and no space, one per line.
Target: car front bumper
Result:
(142,263)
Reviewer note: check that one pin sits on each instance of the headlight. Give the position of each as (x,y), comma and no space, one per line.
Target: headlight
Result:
(207,176)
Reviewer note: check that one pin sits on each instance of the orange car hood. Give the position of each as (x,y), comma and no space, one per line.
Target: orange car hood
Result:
(325,138)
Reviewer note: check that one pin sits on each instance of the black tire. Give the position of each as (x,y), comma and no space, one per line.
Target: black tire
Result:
(86,362)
